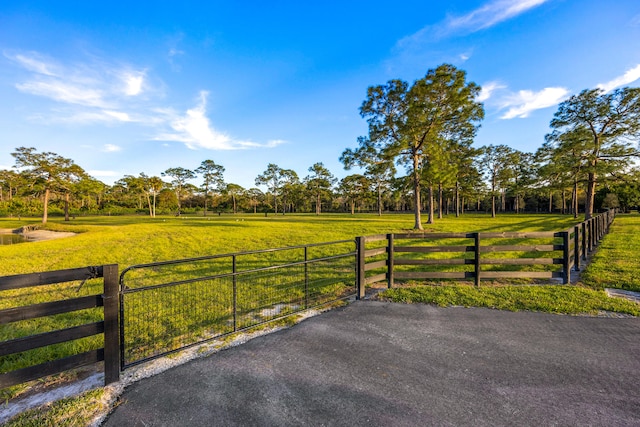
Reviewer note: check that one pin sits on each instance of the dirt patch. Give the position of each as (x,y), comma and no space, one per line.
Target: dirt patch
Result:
(40,235)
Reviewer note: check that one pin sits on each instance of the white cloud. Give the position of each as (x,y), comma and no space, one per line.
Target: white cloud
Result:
(98,92)
(90,117)
(64,92)
(491,14)
(629,76)
(118,115)
(95,84)
(111,148)
(488,89)
(34,63)
(133,83)
(520,105)
(195,130)
(484,17)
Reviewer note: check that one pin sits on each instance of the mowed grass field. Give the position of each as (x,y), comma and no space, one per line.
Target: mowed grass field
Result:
(133,240)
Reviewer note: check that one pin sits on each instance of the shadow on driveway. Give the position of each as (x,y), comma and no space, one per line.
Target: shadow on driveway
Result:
(385,364)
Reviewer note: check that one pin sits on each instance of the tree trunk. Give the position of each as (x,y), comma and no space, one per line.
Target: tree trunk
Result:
(574,202)
(457,201)
(550,201)
(591,193)
(416,191)
(149,205)
(353,205)
(439,201)
(431,205)
(45,212)
(66,206)
(379,200)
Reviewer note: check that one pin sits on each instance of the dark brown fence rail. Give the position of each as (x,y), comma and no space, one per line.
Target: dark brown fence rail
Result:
(478,256)
(109,326)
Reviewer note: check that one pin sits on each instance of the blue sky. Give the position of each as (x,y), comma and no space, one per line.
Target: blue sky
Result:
(129,87)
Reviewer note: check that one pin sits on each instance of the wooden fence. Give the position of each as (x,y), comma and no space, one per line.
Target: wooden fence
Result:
(477,256)
(110,353)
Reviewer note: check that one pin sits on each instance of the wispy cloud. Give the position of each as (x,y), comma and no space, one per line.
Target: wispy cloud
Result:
(486,16)
(96,85)
(629,76)
(34,62)
(521,104)
(195,130)
(65,92)
(490,14)
(488,89)
(98,92)
(111,148)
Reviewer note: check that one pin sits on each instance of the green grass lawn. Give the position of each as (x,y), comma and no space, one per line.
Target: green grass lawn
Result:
(616,263)
(550,299)
(130,240)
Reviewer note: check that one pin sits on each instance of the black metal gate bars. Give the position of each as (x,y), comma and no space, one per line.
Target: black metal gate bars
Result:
(169,306)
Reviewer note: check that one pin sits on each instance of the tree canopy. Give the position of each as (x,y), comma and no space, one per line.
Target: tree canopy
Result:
(408,124)
(602,128)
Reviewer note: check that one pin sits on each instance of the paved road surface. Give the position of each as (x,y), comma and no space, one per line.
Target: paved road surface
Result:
(384,364)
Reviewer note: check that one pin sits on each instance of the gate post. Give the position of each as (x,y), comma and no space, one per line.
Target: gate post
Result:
(111,300)
(476,246)
(360,274)
(390,261)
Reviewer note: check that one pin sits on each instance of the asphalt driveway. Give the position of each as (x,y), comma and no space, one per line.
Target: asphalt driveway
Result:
(385,364)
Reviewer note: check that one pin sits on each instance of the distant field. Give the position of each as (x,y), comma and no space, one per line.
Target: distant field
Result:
(129,240)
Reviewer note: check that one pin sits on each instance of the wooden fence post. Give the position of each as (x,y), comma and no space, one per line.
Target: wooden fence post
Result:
(566,262)
(360,273)
(111,327)
(390,260)
(476,245)
(584,241)
(576,248)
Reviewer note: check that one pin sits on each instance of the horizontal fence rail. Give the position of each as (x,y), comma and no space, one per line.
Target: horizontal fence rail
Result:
(22,317)
(167,307)
(478,256)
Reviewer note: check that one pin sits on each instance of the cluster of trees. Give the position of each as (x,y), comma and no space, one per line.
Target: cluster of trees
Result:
(427,129)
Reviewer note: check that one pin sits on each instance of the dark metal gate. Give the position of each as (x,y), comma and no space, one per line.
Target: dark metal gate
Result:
(169,306)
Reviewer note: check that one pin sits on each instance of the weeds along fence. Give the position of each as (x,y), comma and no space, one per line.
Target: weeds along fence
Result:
(169,306)
(478,256)
(39,304)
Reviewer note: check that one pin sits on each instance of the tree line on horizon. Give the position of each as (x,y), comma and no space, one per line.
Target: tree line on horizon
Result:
(587,162)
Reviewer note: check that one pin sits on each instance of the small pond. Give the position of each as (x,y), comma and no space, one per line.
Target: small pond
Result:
(11,239)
